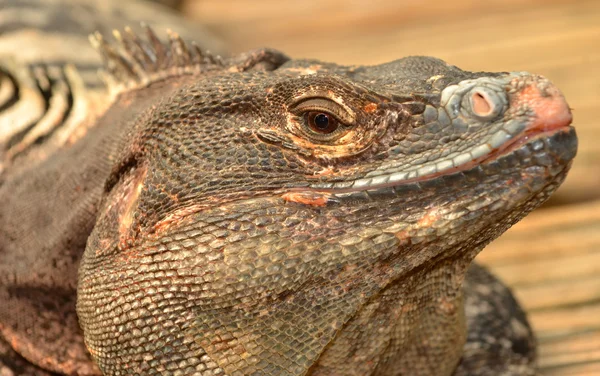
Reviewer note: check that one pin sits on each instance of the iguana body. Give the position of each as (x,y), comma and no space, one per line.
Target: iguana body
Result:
(262,215)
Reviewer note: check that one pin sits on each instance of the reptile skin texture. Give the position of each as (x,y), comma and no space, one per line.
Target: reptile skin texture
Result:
(262,215)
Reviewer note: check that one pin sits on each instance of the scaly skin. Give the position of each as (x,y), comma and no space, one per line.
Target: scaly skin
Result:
(236,238)
(229,230)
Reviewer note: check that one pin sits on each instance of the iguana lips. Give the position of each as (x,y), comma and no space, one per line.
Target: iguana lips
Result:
(551,113)
(528,136)
(549,106)
(547,111)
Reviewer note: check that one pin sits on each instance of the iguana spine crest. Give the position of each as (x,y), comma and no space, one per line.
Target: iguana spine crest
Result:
(131,62)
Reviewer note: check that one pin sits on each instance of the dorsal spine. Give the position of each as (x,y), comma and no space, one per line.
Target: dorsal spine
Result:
(131,62)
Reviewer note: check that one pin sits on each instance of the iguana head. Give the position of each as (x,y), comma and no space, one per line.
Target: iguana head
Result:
(260,204)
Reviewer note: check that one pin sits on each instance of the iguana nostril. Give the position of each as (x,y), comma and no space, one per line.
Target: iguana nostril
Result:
(481,106)
(485,103)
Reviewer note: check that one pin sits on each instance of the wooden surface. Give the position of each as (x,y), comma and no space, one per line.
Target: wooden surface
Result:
(552,261)
(552,258)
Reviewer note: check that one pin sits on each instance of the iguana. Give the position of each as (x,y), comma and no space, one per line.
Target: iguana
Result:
(261,215)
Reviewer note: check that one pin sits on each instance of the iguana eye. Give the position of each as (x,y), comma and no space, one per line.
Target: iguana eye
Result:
(321,122)
(322,118)
(324,106)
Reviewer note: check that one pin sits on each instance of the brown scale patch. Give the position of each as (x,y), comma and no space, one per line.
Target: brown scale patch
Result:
(326,171)
(307,198)
(185,211)
(178,216)
(403,237)
(429,218)
(370,108)
(447,306)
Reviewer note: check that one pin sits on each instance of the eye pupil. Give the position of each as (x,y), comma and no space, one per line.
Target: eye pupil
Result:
(322,121)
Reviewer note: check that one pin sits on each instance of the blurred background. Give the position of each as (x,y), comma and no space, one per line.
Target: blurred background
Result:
(552,258)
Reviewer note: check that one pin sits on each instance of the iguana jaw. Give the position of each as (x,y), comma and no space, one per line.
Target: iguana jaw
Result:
(565,148)
(548,115)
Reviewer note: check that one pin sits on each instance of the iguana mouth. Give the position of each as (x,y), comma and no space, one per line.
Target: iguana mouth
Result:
(551,115)
(528,138)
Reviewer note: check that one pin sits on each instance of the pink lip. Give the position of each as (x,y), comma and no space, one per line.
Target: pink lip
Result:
(549,106)
(551,115)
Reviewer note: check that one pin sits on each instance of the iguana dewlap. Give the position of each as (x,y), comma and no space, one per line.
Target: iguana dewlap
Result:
(261,215)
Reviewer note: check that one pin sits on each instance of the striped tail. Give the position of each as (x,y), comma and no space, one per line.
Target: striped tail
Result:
(50,90)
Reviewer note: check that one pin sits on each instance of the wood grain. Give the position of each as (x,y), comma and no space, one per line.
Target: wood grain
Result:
(552,261)
(552,258)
